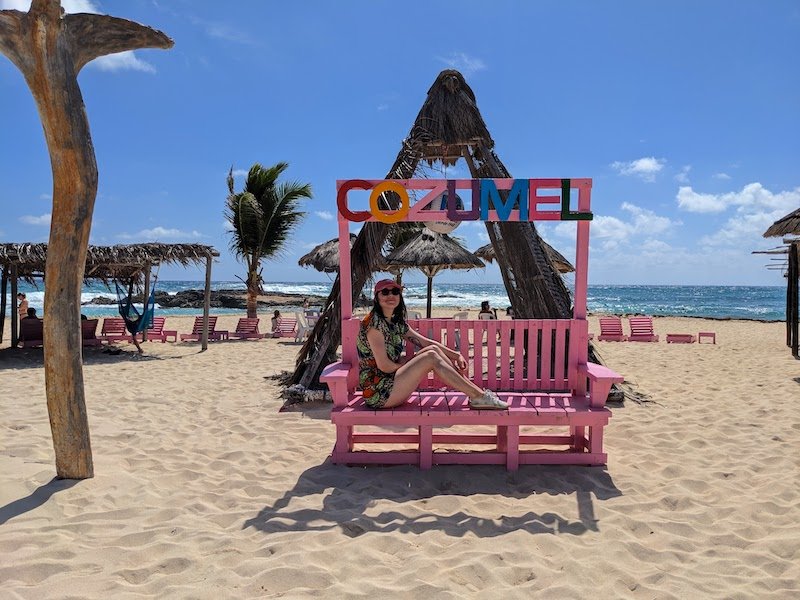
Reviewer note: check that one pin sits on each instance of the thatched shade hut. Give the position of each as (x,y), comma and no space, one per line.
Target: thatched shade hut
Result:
(790,226)
(325,257)
(559,262)
(432,252)
(121,262)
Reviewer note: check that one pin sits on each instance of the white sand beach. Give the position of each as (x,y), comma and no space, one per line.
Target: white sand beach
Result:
(203,489)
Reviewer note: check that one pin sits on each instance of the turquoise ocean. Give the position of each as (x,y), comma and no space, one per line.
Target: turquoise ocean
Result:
(765,303)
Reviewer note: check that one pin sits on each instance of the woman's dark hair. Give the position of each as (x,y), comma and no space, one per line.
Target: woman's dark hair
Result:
(400,315)
(276,314)
(485,305)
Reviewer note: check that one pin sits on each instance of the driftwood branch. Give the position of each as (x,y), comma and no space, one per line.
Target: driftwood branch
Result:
(49,49)
(91,36)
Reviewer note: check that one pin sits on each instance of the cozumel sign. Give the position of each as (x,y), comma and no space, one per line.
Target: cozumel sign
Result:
(492,200)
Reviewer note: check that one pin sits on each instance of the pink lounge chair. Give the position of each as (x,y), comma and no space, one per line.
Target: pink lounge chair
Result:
(31,332)
(89,332)
(113,330)
(197,331)
(611,330)
(156,331)
(286,328)
(247,329)
(641,329)
(680,338)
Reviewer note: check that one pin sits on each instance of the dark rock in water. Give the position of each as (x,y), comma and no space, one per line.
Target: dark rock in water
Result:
(236,299)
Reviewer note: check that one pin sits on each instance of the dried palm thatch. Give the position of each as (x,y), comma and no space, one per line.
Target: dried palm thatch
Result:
(325,257)
(107,262)
(432,252)
(788,225)
(449,126)
(562,264)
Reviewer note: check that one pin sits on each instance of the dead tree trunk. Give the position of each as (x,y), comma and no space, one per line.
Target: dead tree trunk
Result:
(50,49)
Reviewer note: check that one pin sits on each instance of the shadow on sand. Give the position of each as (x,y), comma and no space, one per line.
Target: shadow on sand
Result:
(35,499)
(345,491)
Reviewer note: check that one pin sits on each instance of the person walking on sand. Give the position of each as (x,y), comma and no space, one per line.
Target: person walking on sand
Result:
(22,310)
(386,379)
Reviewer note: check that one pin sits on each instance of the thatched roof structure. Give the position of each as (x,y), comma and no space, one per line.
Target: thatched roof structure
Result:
(559,261)
(432,252)
(788,225)
(107,262)
(325,257)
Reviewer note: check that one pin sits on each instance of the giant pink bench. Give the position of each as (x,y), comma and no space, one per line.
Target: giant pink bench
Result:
(556,412)
(534,370)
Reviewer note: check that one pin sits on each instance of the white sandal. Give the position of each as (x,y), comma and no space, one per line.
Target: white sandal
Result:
(488,400)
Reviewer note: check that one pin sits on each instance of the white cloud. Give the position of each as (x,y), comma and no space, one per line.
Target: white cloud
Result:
(463,62)
(240,172)
(643,226)
(324,215)
(70,6)
(752,198)
(226,225)
(382,107)
(32,220)
(721,176)
(160,234)
(122,61)
(646,168)
(683,175)
(45,196)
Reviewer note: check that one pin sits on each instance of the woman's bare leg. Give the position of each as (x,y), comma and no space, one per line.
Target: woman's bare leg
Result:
(136,343)
(407,377)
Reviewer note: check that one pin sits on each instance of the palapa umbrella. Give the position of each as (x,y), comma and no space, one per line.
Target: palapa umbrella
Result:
(325,257)
(788,225)
(431,252)
(559,262)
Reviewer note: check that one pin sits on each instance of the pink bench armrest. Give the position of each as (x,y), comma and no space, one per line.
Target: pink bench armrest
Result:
(600,381)
(335,375)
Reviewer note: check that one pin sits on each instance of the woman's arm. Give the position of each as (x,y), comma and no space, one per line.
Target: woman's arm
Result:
(378,346)
(423,342)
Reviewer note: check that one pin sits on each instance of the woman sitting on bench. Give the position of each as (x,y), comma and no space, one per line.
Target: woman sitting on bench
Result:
(385,379)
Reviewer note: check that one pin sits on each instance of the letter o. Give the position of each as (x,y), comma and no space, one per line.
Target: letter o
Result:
(394,216)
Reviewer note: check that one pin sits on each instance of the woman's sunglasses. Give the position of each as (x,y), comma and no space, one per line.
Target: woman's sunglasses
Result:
(392,291)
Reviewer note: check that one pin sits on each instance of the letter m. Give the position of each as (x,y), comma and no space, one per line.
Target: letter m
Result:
(490,194)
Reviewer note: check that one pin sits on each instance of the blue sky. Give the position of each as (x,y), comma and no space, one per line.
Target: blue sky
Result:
(684,113)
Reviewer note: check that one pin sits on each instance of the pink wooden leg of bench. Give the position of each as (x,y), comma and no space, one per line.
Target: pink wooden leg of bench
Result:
(577,432)
(596,439)
(425,446)
(344,442)
(502,438)
(512,447)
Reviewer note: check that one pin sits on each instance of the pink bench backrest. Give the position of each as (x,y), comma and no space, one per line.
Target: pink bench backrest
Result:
(113,326)
(197,328)
(247,326)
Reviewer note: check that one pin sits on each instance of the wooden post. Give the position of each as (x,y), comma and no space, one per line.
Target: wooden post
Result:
(206,305)
(145,297)
(14,305)
(3,304)
(50,49)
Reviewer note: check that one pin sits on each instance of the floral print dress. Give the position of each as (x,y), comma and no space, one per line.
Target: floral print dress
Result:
(377,385)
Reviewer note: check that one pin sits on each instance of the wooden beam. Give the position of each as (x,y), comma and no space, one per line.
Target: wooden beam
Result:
(14,305)
(206,305)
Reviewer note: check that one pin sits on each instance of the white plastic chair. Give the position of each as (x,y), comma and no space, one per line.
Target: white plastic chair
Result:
(303,328)
(412,314)
(459,316)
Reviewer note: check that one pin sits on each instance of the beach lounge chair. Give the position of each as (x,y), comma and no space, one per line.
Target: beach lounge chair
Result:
(413,314)
(247,329)
(89,332)
(31,332)
(641,329)
(611,330)
(113,330)
(156,331)
(197,331)
(286,327)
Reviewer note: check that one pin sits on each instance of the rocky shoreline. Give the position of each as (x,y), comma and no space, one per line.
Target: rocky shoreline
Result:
(219,299)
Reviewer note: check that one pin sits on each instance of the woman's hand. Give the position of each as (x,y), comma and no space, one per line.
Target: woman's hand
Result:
(460,363)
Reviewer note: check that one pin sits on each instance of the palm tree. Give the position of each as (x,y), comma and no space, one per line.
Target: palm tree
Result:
(262,216)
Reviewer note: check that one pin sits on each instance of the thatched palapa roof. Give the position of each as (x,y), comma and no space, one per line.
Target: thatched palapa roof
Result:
(107,262)
(325,257)
(788,225)
(431,252)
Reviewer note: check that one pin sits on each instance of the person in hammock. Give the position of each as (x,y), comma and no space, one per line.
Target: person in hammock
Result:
(386,379)
(132,321)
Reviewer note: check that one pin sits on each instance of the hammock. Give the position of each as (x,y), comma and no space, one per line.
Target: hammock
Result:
(135,321)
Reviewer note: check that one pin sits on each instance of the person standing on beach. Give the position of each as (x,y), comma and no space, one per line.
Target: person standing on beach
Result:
(386,379)
(22,310)
(487,310)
